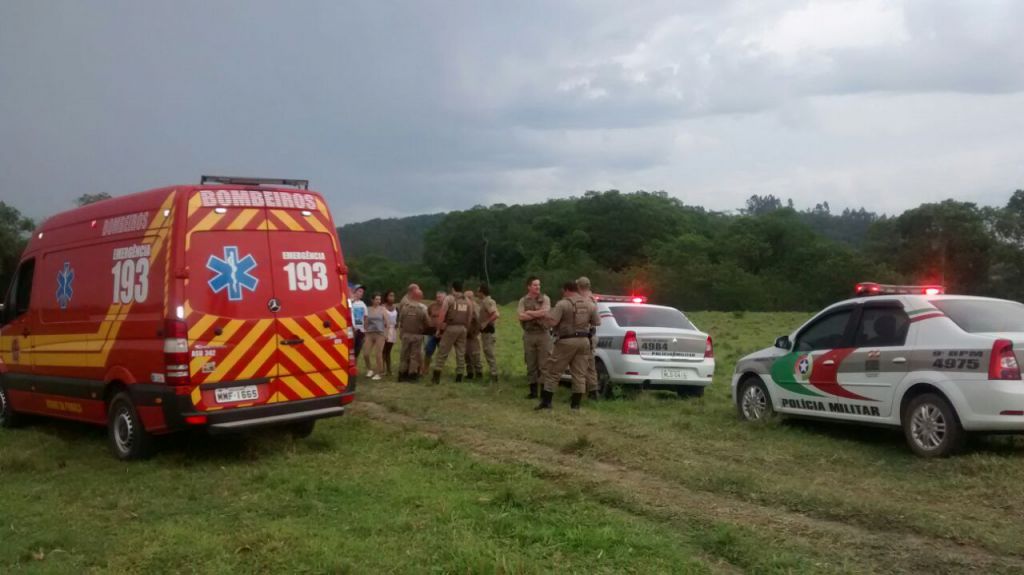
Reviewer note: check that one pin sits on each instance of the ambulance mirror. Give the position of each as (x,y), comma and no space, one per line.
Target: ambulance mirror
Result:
(782,342)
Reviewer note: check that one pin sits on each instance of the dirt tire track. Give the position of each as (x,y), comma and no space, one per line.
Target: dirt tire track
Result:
(854,546)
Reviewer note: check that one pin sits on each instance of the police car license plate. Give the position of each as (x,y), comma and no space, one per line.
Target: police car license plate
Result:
(233,394)
(668,373)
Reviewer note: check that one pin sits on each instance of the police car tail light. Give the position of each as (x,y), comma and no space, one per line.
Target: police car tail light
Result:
(1003,363)
(629,344)
(709,349)
(176,357)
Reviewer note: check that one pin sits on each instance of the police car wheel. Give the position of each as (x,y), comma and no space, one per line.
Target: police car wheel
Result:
(302,429)
(604,381)
(8,418)
(754,403)
(127,437)
(931,426)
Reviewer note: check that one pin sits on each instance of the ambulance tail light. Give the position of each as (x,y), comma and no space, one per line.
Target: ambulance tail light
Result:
(1003,363)
(630,346)
(709,349)
(176,356)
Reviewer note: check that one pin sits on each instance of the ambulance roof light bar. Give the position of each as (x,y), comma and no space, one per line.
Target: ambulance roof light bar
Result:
(872,288)
(621,298)
(240,181)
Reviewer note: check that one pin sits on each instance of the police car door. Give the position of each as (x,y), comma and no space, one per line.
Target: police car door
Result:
(805,378)
(879,362)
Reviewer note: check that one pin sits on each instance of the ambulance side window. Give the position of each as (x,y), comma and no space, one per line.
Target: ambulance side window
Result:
(828,332)
(882,326)
(21,291)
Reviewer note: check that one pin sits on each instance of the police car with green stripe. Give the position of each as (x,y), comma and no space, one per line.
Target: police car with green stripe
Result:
(938,366)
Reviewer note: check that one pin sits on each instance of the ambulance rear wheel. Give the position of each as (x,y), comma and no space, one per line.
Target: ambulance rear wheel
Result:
(128,438)
(302,429)
(753,402)
(8,418)
(931,426)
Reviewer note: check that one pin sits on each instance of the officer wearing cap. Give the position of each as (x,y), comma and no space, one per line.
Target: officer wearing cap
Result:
(413,320)
(532,311)
(573,318)
(455,314)
(489,315)
(583,283)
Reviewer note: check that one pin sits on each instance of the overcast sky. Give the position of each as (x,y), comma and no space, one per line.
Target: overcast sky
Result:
(400,108)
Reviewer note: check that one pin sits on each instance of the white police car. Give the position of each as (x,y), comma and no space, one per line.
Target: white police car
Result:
(647,346)
(936,365)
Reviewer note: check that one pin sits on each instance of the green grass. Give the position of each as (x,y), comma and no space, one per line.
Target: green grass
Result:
(468,479)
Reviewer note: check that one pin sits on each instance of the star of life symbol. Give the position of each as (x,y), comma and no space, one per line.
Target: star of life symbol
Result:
(65,277)
(232,274)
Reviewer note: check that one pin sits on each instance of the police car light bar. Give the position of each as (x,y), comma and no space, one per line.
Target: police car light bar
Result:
(871,288)
(621,298)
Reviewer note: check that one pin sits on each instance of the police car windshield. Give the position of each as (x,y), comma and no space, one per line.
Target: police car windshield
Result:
(983,316)
(648,316)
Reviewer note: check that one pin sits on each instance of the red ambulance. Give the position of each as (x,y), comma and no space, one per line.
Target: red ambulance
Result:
(220,306)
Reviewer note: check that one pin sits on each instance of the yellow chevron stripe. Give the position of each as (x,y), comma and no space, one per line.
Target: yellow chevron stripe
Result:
(201,327)
(243,219)
(323,384)
(316,223)
(208,221)
(261,358)
(338,318)
(297,359)
(297,387)
(197,395)
(229,331)
(229,362)
(193,204)
(288,221)
(311,343)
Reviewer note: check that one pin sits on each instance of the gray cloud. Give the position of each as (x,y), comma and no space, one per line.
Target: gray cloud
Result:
(398,109)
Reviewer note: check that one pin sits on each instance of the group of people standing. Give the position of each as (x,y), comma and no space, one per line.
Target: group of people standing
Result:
(555,338)
(460,320)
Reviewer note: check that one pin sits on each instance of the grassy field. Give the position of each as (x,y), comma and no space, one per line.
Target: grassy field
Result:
(468,479)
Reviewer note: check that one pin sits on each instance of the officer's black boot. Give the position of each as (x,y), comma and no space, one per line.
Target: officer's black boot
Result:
(592,395)
(402,377)
(458,378)
(494,378)
(469,375)
(436,379)
(545,400)
(414,378)
(533,391)
(574,403)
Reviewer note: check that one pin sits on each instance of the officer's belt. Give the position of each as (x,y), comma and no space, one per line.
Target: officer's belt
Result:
(575,335)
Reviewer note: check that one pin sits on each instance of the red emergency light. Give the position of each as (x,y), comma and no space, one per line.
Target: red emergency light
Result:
(872,288)
(621,298)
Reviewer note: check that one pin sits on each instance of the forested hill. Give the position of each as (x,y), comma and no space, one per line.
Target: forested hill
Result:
(396,239)
(768,256)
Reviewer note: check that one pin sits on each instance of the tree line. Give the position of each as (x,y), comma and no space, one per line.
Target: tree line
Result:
(767,256)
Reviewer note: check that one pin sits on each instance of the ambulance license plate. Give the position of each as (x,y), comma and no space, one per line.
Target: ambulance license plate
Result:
(233,394)
(667,373)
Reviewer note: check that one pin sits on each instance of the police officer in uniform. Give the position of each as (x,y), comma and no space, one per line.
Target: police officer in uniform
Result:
(413,320)
(433,336)
(474,367)
(532,311)
(573,318)
(488,317)
(455,314)
(583,283)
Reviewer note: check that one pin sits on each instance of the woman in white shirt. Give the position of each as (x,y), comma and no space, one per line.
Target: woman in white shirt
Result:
(392,333)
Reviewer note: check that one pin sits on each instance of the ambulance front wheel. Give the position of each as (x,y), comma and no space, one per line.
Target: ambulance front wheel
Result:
(128,438)
(302,429)
(8,418)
